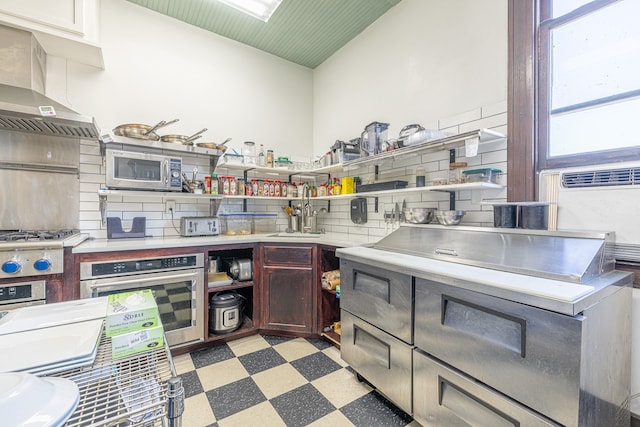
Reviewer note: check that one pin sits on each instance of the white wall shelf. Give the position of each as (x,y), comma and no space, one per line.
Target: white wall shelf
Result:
(480,136)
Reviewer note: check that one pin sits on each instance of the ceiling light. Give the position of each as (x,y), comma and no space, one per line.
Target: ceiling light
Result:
(261,9)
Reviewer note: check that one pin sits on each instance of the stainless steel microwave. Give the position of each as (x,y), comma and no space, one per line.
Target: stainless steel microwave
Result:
(143,171)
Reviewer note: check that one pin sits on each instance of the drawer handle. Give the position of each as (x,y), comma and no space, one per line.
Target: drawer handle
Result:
(442,251)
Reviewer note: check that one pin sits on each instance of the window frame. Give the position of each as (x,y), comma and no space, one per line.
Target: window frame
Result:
(530,23)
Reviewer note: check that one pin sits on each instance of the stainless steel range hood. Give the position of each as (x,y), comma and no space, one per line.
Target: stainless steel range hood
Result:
(22,88)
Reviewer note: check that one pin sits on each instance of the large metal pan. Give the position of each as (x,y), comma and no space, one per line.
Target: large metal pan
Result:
(139,131)
(214,146)
(182,139)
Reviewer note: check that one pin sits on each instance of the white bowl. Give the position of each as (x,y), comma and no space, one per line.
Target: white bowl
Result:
(28,400)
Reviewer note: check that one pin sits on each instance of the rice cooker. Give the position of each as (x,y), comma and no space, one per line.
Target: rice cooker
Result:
(226,312)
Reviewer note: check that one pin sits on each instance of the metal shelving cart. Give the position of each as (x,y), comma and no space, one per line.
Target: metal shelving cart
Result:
(138,390)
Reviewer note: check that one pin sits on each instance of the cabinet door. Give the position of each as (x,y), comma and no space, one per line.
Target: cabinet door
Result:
(289,299)
(290,292)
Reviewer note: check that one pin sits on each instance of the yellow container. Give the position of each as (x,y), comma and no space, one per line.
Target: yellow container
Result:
(347,185)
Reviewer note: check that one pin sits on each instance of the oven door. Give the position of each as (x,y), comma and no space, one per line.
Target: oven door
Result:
(127,169)
(179,296)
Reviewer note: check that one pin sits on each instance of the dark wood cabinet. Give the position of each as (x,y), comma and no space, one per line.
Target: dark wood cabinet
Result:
(290,288)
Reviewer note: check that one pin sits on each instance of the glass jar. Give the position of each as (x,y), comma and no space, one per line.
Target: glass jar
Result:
(292,190)
(215,188)
(272,188)
(269,158)
(455,172)
(283,189)
(265,188)
(420,179)
(255,184)
(249,153)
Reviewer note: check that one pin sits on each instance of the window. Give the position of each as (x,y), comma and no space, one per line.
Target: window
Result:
(574,85)
(589,89)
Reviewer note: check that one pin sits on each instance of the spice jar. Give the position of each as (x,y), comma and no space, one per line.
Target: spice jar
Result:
(420,180)
(292,190)
(215,187)
(269,158)
(455,175)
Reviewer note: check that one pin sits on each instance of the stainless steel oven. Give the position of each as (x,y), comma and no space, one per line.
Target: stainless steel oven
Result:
(128,169)
(21,294)
(177,283)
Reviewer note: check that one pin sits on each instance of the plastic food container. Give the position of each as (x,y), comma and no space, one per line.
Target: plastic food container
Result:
(236,224)
(482,175)
(234,159)
(264,223)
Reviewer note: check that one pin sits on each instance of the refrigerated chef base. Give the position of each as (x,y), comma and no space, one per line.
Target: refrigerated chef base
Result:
(536,286)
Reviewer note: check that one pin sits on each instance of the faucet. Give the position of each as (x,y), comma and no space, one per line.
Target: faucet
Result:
(306,210)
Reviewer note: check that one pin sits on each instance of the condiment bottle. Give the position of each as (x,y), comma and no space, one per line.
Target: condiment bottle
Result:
(356,183)
(337,187)
(207,184)
(322,190)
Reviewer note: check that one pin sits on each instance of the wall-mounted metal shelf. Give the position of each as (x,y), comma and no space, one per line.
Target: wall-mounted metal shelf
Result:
(479,136)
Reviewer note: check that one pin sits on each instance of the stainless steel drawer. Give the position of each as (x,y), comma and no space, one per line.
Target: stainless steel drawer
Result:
(514,348)
(381,297)
(381,359)
(447,398)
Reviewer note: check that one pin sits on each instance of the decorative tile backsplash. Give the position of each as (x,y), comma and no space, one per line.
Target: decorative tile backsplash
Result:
(436,165)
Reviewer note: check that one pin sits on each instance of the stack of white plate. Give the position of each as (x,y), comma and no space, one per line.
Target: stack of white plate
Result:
(51,338)
(29,401)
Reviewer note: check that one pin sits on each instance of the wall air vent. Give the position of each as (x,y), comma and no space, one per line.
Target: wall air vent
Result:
(601,178)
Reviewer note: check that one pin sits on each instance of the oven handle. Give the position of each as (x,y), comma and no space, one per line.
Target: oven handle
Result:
(93,286)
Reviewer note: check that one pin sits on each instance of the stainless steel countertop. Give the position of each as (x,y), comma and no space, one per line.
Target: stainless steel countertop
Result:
(562,297)
(331,239)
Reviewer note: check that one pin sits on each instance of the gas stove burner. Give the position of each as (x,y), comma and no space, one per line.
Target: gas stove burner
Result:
(30,235)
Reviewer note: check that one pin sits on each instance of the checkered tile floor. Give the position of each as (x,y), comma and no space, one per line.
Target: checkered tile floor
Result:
(270,381)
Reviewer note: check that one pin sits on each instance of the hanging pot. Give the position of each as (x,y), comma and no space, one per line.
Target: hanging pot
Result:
(182,139)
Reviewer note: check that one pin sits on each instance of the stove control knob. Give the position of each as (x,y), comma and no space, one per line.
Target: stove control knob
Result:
(11,267)
(42,264)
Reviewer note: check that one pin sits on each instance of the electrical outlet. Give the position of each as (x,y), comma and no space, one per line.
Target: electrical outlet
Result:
(170,207)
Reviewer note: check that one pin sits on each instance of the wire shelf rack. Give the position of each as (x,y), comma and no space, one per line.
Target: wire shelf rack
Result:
(131,391)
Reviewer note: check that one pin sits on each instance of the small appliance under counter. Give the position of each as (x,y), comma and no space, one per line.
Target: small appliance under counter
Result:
(508,327)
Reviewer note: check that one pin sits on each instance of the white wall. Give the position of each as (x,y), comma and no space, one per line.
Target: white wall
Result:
(158,68)
(422,61)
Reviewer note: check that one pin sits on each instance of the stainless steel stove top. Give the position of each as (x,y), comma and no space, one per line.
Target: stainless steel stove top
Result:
(35,235)
(31,253)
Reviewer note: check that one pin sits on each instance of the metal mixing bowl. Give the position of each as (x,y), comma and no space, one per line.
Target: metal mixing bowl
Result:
(449,217)
(418,215)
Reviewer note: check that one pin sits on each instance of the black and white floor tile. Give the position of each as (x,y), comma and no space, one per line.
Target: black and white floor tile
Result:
(270,381)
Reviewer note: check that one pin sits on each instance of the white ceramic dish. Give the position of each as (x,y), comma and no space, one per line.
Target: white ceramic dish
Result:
(48,315)
(40,348)
(29,401)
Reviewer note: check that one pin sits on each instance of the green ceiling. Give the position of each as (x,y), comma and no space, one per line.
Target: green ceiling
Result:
(306,32)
